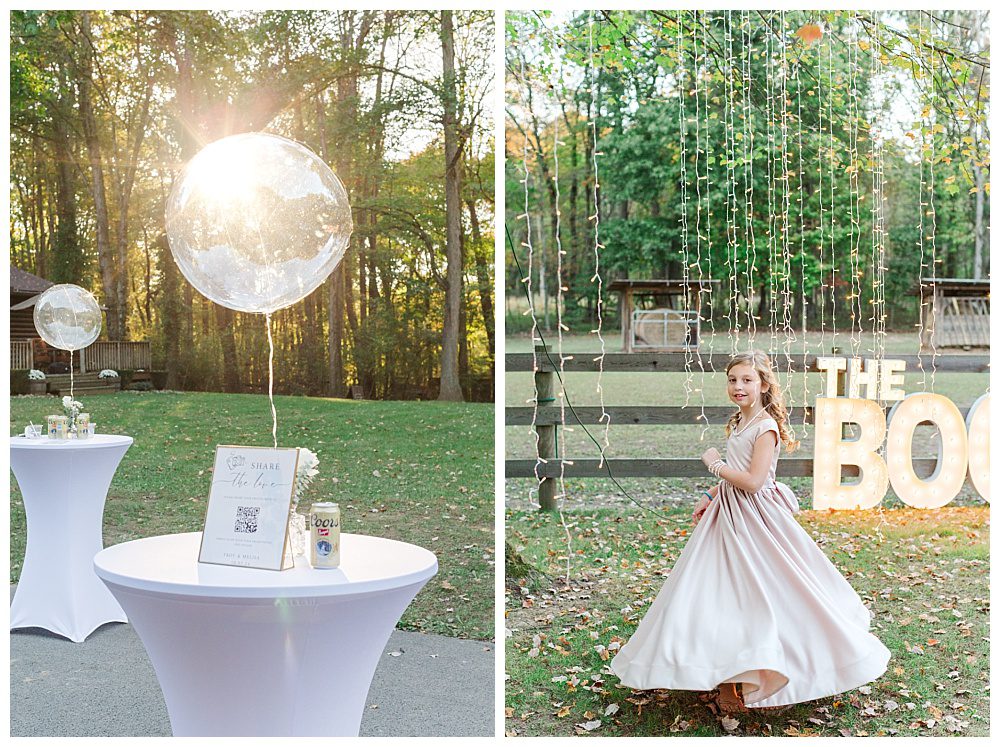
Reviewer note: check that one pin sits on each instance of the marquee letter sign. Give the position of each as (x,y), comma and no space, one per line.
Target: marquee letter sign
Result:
(978,423)
(828,491)
(953,450)
(963,445)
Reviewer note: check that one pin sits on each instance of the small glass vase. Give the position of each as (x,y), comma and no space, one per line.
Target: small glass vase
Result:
(297,534)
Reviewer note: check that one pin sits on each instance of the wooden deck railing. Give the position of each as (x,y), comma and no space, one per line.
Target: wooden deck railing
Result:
(116,355)
(21,355)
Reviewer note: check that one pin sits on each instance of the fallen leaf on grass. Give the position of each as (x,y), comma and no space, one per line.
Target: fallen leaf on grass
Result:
(679,725)
(611,710)
(730,724)
(589,725)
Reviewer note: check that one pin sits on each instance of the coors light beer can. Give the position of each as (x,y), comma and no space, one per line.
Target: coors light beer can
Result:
(324,531)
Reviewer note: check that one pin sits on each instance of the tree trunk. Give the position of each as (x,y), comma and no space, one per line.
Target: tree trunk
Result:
(124,196)
(68,266)
(450,387)
(484,279)
(170,311)
(105,257)
(977,263)
(224,321)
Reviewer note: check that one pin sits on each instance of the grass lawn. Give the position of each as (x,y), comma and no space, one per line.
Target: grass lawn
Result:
(926,578)
(421,472)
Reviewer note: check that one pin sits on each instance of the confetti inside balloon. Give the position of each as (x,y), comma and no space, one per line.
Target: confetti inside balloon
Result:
(257,222)
(68,317)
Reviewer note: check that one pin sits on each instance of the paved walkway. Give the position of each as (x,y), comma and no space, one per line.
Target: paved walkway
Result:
(105,686)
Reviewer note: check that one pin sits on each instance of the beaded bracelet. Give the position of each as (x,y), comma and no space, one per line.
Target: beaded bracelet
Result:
(716,467)
(707,495)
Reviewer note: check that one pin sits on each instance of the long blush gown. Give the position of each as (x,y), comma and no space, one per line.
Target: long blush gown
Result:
(752,599)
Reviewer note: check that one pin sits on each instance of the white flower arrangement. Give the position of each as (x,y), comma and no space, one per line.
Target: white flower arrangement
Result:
(305,472)
(36,375)
(72,407)
(108,373)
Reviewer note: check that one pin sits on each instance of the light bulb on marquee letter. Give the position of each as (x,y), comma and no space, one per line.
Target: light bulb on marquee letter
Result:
(949,474)
(832,452)
(978,423)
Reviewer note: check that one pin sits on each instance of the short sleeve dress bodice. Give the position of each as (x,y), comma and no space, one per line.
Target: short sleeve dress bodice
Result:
(739,452)
(753,600)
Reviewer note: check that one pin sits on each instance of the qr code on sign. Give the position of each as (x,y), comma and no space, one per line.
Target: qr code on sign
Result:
(246,519)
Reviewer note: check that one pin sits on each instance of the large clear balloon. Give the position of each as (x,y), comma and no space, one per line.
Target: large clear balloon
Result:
(68,317)
(257,222)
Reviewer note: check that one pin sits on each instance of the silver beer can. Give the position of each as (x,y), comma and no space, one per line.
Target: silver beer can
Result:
(324,534)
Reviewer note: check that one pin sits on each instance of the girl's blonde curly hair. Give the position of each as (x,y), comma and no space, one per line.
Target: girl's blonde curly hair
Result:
(772,400)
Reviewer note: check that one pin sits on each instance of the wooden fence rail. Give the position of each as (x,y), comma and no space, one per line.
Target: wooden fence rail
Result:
(680,362)
(547,417)
(691,467)
(646,415)
(21,355)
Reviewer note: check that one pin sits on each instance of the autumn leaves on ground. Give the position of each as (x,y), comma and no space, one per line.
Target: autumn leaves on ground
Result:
(924,573)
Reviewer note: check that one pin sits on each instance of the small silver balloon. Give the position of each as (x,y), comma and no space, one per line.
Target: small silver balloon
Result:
(68,317)
(257,222)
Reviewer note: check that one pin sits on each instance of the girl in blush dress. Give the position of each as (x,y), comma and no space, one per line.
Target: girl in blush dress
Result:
(752,607)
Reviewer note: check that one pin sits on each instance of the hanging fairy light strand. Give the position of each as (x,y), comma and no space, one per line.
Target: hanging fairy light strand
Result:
(786,256)
(772,218)
(802,234)
(833,192)
(748,189)
(596,219)
(709,160)
(931,209)
(527,243)
(878,217)
(561,289)
(680,75)
(732,309)
(922,207)
(699,72)
(822,202)
(855,194)
(688,337)
(873,209)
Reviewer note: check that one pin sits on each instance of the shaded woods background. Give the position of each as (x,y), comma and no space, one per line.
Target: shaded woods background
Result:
(106,107)
(779,152)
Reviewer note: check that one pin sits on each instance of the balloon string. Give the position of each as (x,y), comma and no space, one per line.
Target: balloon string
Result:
(270,381)
(71,375)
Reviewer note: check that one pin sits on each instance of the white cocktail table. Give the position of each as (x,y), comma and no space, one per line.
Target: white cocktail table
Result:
(64,484)
(247,652)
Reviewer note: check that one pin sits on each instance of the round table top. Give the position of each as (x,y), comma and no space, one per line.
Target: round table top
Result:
(168,564)
(97,441)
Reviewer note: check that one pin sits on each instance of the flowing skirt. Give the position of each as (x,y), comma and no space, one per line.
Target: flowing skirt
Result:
(752,599)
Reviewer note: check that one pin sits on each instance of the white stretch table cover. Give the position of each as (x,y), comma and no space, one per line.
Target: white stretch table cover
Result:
(64,484)
(247,652)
